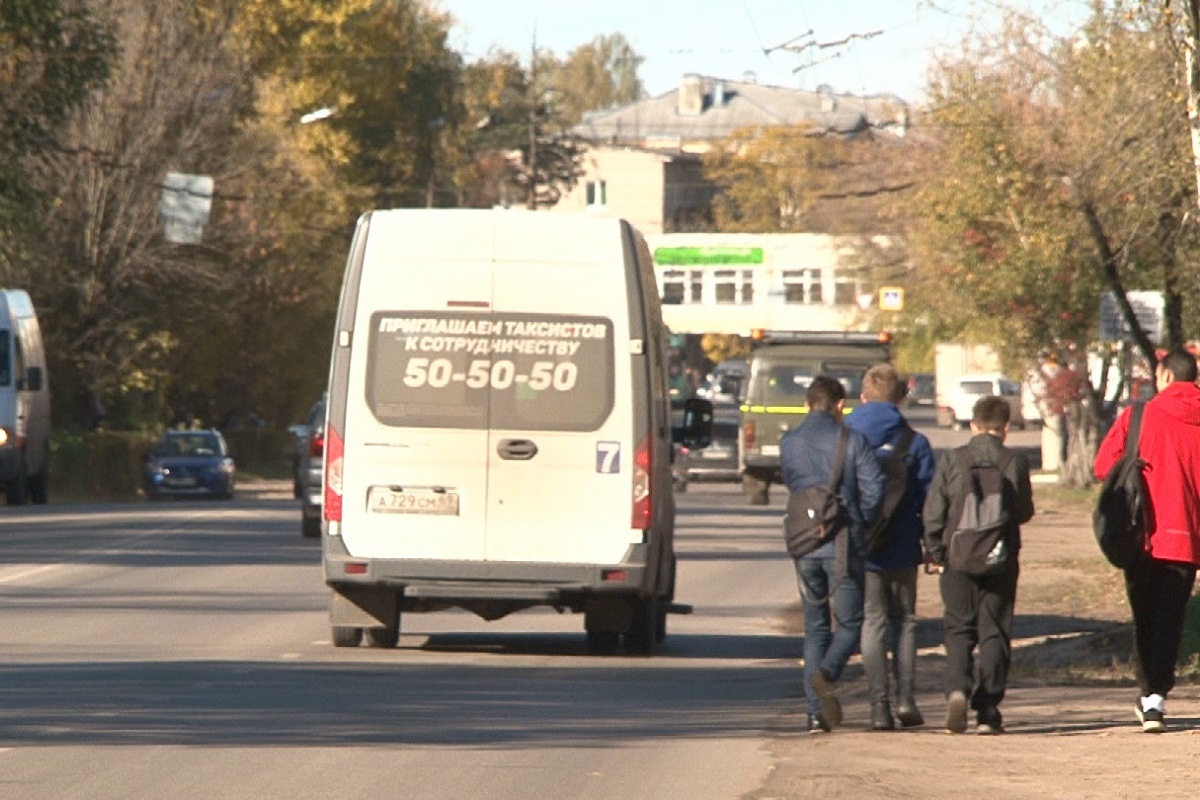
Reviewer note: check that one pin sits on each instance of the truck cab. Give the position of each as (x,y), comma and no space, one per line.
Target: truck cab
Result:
(780,370)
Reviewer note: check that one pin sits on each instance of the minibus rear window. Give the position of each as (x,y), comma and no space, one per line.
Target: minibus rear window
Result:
(435,369)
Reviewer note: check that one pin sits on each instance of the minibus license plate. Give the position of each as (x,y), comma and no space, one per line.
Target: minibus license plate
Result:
(385,500)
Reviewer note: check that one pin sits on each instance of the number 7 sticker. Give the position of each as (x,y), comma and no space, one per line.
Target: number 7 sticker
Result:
(608,457)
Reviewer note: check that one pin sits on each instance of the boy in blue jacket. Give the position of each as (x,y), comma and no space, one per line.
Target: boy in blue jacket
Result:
(890,591)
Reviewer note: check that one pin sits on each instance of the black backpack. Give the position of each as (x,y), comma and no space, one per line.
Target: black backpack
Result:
(815,514)
(893,460)
(1122,510)
(980,545)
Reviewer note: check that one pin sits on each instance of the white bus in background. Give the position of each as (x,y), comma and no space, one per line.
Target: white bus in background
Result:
(24,402)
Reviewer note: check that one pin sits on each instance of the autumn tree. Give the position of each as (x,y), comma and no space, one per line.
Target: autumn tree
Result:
(52,54)
(113,295)
(597,75)
(1058,173)
(769,180)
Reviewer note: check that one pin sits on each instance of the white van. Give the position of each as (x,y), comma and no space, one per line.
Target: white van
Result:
(498,433)
(24,402)
(970,388)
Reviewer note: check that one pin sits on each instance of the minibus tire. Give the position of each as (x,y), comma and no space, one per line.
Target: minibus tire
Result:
(346,637)
(602,643)
(642,633)
(384,638)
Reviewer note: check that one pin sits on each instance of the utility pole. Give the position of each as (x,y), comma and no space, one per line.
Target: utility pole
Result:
(532,201)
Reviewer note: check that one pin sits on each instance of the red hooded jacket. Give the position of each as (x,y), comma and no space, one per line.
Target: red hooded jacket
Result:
(1170,446)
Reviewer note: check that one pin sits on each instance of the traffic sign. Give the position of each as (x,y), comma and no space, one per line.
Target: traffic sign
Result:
(891,298)
(1147,307)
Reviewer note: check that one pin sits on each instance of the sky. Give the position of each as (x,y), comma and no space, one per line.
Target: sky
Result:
(859,47)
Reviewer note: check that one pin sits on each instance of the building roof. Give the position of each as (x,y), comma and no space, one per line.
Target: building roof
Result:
(705,109)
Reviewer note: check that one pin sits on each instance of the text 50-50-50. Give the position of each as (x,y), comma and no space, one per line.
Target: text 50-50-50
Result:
(482,373)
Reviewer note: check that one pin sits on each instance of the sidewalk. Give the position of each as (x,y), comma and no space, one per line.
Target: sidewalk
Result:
(1071,731)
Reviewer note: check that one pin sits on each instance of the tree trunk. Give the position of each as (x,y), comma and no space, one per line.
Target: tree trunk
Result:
(1083,428)
(1192,65)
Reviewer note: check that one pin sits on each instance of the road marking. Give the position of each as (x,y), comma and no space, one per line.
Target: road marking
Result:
(117,547)
(16,576)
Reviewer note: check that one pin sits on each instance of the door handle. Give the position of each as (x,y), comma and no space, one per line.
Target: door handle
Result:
(516,449)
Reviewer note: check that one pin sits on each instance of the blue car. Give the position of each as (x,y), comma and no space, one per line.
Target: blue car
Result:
(192,463)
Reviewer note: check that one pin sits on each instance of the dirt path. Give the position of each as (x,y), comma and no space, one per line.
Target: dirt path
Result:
(1071,731)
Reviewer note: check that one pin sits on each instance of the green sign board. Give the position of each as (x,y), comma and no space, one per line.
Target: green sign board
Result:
(694,256)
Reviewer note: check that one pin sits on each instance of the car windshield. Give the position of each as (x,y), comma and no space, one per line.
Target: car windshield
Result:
(849,375)
(190,444)
(977,387)
(787,383)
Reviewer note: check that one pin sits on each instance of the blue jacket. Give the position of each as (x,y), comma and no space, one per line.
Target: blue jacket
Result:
(881,422)
(806,455)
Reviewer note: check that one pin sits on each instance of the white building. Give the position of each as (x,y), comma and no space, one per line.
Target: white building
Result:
(736,282)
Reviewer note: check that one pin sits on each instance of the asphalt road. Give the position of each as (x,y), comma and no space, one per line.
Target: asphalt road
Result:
(182,650)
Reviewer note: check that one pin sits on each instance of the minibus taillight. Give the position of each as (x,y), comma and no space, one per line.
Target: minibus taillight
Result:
(334,449)
(750,434)
(316,444)
(641,486)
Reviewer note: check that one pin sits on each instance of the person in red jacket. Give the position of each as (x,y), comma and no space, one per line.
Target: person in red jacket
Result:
(1161,582)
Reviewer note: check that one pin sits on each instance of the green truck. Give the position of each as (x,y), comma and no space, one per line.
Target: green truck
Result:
(781,367)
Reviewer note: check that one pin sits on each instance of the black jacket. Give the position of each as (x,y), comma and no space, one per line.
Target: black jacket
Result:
(943,505)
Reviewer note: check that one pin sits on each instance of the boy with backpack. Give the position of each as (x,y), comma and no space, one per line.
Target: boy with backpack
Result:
(893,549)
(979,498)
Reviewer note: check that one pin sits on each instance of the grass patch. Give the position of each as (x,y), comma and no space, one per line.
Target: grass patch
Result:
(1061,499)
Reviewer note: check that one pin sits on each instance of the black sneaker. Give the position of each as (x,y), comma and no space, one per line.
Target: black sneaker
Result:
(881,717)
(956,712)
(831,708)
(908,716)
(817,724)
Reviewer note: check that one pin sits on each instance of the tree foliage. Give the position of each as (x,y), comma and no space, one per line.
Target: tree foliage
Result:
(596,75)
(99,99)
(770,179)
(52,53)
(1061,170)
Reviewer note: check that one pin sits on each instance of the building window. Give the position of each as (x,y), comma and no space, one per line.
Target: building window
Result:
(726,286)
(845,291)
(672,287)
(597,194)
(697,286)
(802,286)
(735,286)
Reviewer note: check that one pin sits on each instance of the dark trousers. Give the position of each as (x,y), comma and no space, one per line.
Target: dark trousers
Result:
(1158,596)
(977,618)
(890,626)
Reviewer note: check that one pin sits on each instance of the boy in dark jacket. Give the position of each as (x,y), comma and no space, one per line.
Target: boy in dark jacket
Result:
(890,596)
(977,611)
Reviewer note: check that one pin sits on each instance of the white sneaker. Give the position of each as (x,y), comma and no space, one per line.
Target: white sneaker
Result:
(1150,712)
